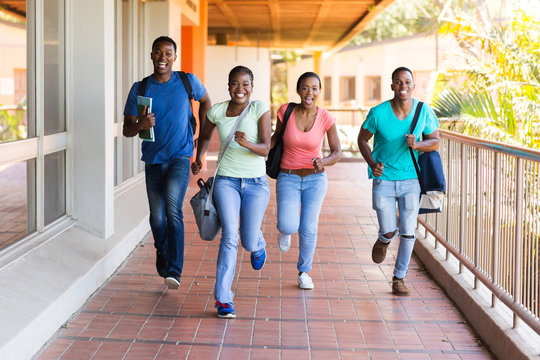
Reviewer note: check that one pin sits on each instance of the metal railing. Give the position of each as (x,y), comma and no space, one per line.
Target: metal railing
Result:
(12,123)
(348,123)
(491,219)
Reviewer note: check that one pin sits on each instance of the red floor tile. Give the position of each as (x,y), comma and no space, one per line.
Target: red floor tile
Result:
(351,313)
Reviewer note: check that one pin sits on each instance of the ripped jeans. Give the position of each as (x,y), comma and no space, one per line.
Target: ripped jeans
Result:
(406,193)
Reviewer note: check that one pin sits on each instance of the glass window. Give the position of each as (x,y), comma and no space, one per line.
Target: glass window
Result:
(327,92)
(55,186)
(13,120)
(17,215)
(347,88)
(372,89)
(53,50)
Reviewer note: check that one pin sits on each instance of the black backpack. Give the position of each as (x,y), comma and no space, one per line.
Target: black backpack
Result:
(189,90)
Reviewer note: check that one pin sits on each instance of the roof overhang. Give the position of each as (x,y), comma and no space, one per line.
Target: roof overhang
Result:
(311,25)
(15,8)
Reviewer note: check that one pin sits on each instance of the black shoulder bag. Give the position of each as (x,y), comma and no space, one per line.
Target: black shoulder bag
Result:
(274,156)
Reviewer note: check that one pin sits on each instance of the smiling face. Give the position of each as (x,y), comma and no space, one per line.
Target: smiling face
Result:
(240,87)
(402,85)
(309,90)
(163,57)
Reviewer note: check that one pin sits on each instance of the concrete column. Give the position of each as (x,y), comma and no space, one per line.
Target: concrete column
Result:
(91,85)
(161,18)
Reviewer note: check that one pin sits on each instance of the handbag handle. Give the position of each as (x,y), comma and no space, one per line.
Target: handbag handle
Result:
(416,167)
(227,142)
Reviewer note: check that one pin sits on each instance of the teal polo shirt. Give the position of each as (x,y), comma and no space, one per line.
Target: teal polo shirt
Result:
(390,143)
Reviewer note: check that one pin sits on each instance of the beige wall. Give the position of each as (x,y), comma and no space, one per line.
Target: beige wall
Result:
(12,56)
(221,59)
(418,53)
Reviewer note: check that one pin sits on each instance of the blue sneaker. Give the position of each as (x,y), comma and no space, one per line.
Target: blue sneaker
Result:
(258,259)
(225,311)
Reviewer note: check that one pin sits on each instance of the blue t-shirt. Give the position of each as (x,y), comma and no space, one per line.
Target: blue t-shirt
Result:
(390,144)
(170,105)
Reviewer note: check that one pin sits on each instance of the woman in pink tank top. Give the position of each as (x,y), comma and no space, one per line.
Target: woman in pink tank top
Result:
(302,183)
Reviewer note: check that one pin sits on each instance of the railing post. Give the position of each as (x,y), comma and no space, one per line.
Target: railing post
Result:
(463,205)
(518,250)
(479,209)
(448,196)
(496,225)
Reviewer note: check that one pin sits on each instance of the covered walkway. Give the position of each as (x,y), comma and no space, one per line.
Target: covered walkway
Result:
(351,313)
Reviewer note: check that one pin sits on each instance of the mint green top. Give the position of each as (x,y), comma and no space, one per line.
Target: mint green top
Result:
(389,141)
(238,161)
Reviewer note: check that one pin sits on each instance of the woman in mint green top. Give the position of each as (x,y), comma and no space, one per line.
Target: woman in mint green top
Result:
(241,190)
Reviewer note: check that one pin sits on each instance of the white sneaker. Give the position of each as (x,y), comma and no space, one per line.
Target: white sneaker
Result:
(284,242)
(305,282)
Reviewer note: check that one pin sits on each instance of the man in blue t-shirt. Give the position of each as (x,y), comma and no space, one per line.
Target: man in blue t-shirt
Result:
(392,170)
(167,159)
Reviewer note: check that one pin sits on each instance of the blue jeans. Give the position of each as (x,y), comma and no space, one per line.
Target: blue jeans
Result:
(299,201)
(407,195)
(241,203)
(166,186)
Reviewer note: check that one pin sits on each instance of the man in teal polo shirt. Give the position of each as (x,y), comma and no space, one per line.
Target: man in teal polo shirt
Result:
(392,169)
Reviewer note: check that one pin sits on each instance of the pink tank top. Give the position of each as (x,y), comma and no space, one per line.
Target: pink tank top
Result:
(299,148)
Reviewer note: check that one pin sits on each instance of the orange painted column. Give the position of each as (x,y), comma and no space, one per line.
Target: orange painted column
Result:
(193,52)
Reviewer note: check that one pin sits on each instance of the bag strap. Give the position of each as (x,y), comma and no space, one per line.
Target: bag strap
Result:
(191,96)
(189,90)
(227,142)
(416,167)
(231,134)
(287,115)
(142,86)
(187,84)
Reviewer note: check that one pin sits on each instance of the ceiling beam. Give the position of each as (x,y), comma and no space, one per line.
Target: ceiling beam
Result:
(322,14)
(360,25)
(300,2)
(5,7)
(231,18)
(275,23)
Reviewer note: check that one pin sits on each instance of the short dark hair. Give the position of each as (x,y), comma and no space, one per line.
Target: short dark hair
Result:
(399,69)
(240,69)
(306,75)
(164,39)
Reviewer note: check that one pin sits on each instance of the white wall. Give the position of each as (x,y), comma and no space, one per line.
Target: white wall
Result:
(418,53)
(221,59)
(162,19)
(294,70)
(12,56)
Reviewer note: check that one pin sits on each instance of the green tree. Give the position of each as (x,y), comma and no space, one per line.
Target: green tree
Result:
(499,94)
(401,18)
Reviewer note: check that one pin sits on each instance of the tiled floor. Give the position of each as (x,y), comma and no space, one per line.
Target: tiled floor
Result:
(13,194)
(351,313)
